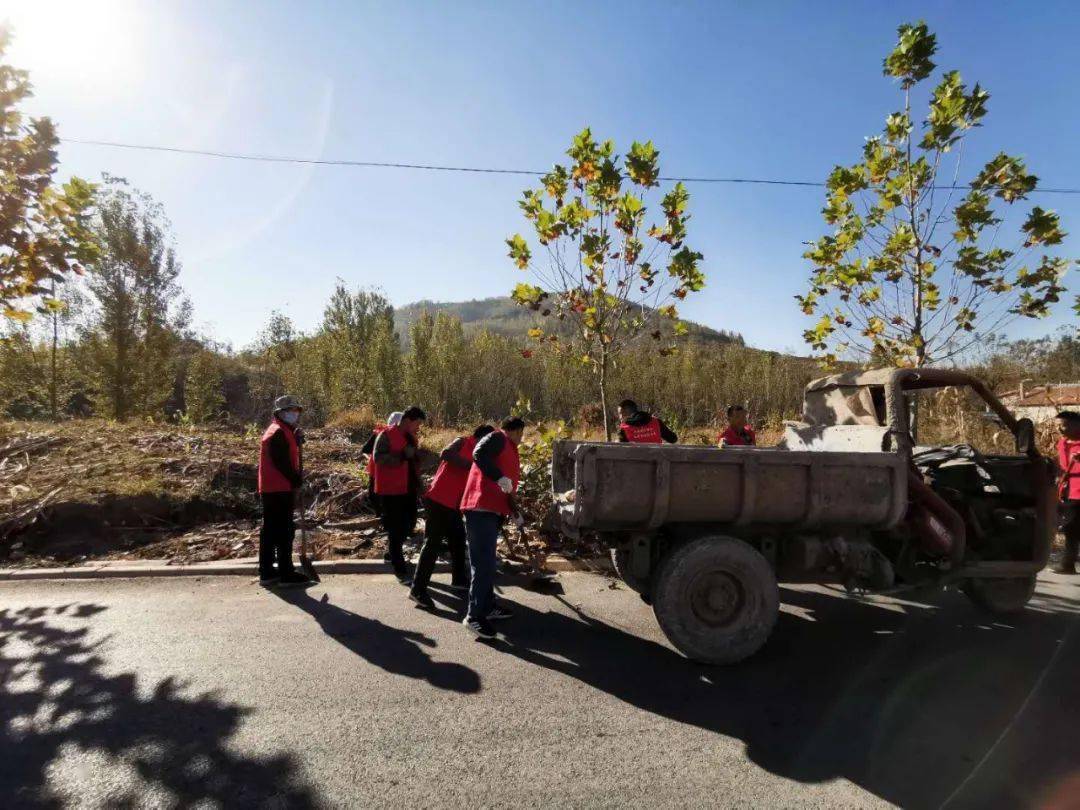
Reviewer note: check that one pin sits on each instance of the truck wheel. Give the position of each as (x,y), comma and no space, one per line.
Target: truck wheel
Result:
(620,558)
(716,599)
(1000,596)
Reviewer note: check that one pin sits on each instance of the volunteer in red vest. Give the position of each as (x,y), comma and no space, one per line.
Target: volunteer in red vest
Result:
(737,433)
(641,427)
(1068,448)
(279,479)
(443,524)
(487,501)
(395,484)
(369,450)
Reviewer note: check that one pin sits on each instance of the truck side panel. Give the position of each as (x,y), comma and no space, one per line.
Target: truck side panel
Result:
(632,488)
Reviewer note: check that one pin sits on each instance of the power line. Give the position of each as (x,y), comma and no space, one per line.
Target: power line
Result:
(374,164)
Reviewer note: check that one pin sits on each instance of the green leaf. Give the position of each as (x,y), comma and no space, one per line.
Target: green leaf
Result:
(642,164)
(1008,177)
(910,61)
(519,250)
(1042,228)
(528,295)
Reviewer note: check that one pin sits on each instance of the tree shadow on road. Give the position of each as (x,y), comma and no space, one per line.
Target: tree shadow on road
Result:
(398,651)
(903,702)
(62,714)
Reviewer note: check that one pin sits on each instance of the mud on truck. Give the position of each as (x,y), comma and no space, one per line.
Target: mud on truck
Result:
(705,534)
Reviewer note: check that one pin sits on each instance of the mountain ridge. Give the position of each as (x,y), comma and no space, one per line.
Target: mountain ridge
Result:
(499,314)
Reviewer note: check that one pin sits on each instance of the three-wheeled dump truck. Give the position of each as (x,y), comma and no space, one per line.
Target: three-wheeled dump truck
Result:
(704,534)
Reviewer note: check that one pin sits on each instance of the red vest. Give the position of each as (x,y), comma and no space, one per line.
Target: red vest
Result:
(270,480)
(1069,460)
(392,479)
(736,438)
(483,494)
(371,459)
(448,485)
(649,433)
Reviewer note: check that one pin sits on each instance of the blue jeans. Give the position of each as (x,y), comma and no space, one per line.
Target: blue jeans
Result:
(482,530)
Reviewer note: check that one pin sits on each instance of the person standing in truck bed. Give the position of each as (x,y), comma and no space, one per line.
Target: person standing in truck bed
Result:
(641,427)
(737,433)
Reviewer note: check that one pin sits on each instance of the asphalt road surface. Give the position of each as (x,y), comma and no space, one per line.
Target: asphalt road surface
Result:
(213,692)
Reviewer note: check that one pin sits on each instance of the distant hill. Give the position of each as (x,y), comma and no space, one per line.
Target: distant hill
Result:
(504,317)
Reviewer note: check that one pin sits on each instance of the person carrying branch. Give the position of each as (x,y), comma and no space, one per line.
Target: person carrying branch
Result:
(444,525)
(395,455)
(278,482)
(1068,448)
(487,501)
(641,427)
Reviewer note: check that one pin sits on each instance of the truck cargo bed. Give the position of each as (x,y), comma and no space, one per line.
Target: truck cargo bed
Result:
(627,487)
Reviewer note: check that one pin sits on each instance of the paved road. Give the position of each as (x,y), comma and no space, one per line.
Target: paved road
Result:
(214,692)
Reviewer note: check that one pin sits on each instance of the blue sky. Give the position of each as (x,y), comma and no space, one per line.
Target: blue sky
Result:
(773,90)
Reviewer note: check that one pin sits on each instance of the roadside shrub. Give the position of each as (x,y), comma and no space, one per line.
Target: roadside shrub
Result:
(591,414)
(361,418)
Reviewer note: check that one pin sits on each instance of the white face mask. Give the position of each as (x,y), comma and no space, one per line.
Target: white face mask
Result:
(289,417)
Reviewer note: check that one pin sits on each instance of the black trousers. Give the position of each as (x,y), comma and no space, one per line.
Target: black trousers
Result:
(397,514)
(443,526)
(1070,527)
(276,535)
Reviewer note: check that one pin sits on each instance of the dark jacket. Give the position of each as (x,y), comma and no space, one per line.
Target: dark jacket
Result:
(281,458)
(642,418)
(487,451)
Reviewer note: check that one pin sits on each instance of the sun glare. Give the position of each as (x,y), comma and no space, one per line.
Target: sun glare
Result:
(92,44)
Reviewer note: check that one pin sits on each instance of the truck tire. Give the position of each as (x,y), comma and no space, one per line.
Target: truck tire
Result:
(716,599)
(620,558)
(1000,596)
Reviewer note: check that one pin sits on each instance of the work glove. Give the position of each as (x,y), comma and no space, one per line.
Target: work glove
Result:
(299,435)
(506,485)
(519,520)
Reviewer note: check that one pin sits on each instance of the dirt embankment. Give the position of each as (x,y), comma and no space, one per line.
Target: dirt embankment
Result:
(98,490)
(95,490)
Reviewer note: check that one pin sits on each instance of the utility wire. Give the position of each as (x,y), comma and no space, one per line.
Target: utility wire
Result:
(373,164)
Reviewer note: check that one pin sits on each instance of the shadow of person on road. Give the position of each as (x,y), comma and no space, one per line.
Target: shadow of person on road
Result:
(62,713)
(905,702)
(398,651)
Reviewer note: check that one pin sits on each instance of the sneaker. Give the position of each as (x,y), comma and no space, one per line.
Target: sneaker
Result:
(498,613)
(269,581)
(479,627)
(404,577)
(422,599)
(459,588)
(1068,570)
(294,579)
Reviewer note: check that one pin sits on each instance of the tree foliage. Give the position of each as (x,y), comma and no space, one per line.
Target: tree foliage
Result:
(917,268)
(137,312)
(611,271)
(204,397)
(44,227)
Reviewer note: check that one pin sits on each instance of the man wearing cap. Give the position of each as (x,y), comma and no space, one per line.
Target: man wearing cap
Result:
(279,480)
(396,479)
(1068,448)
